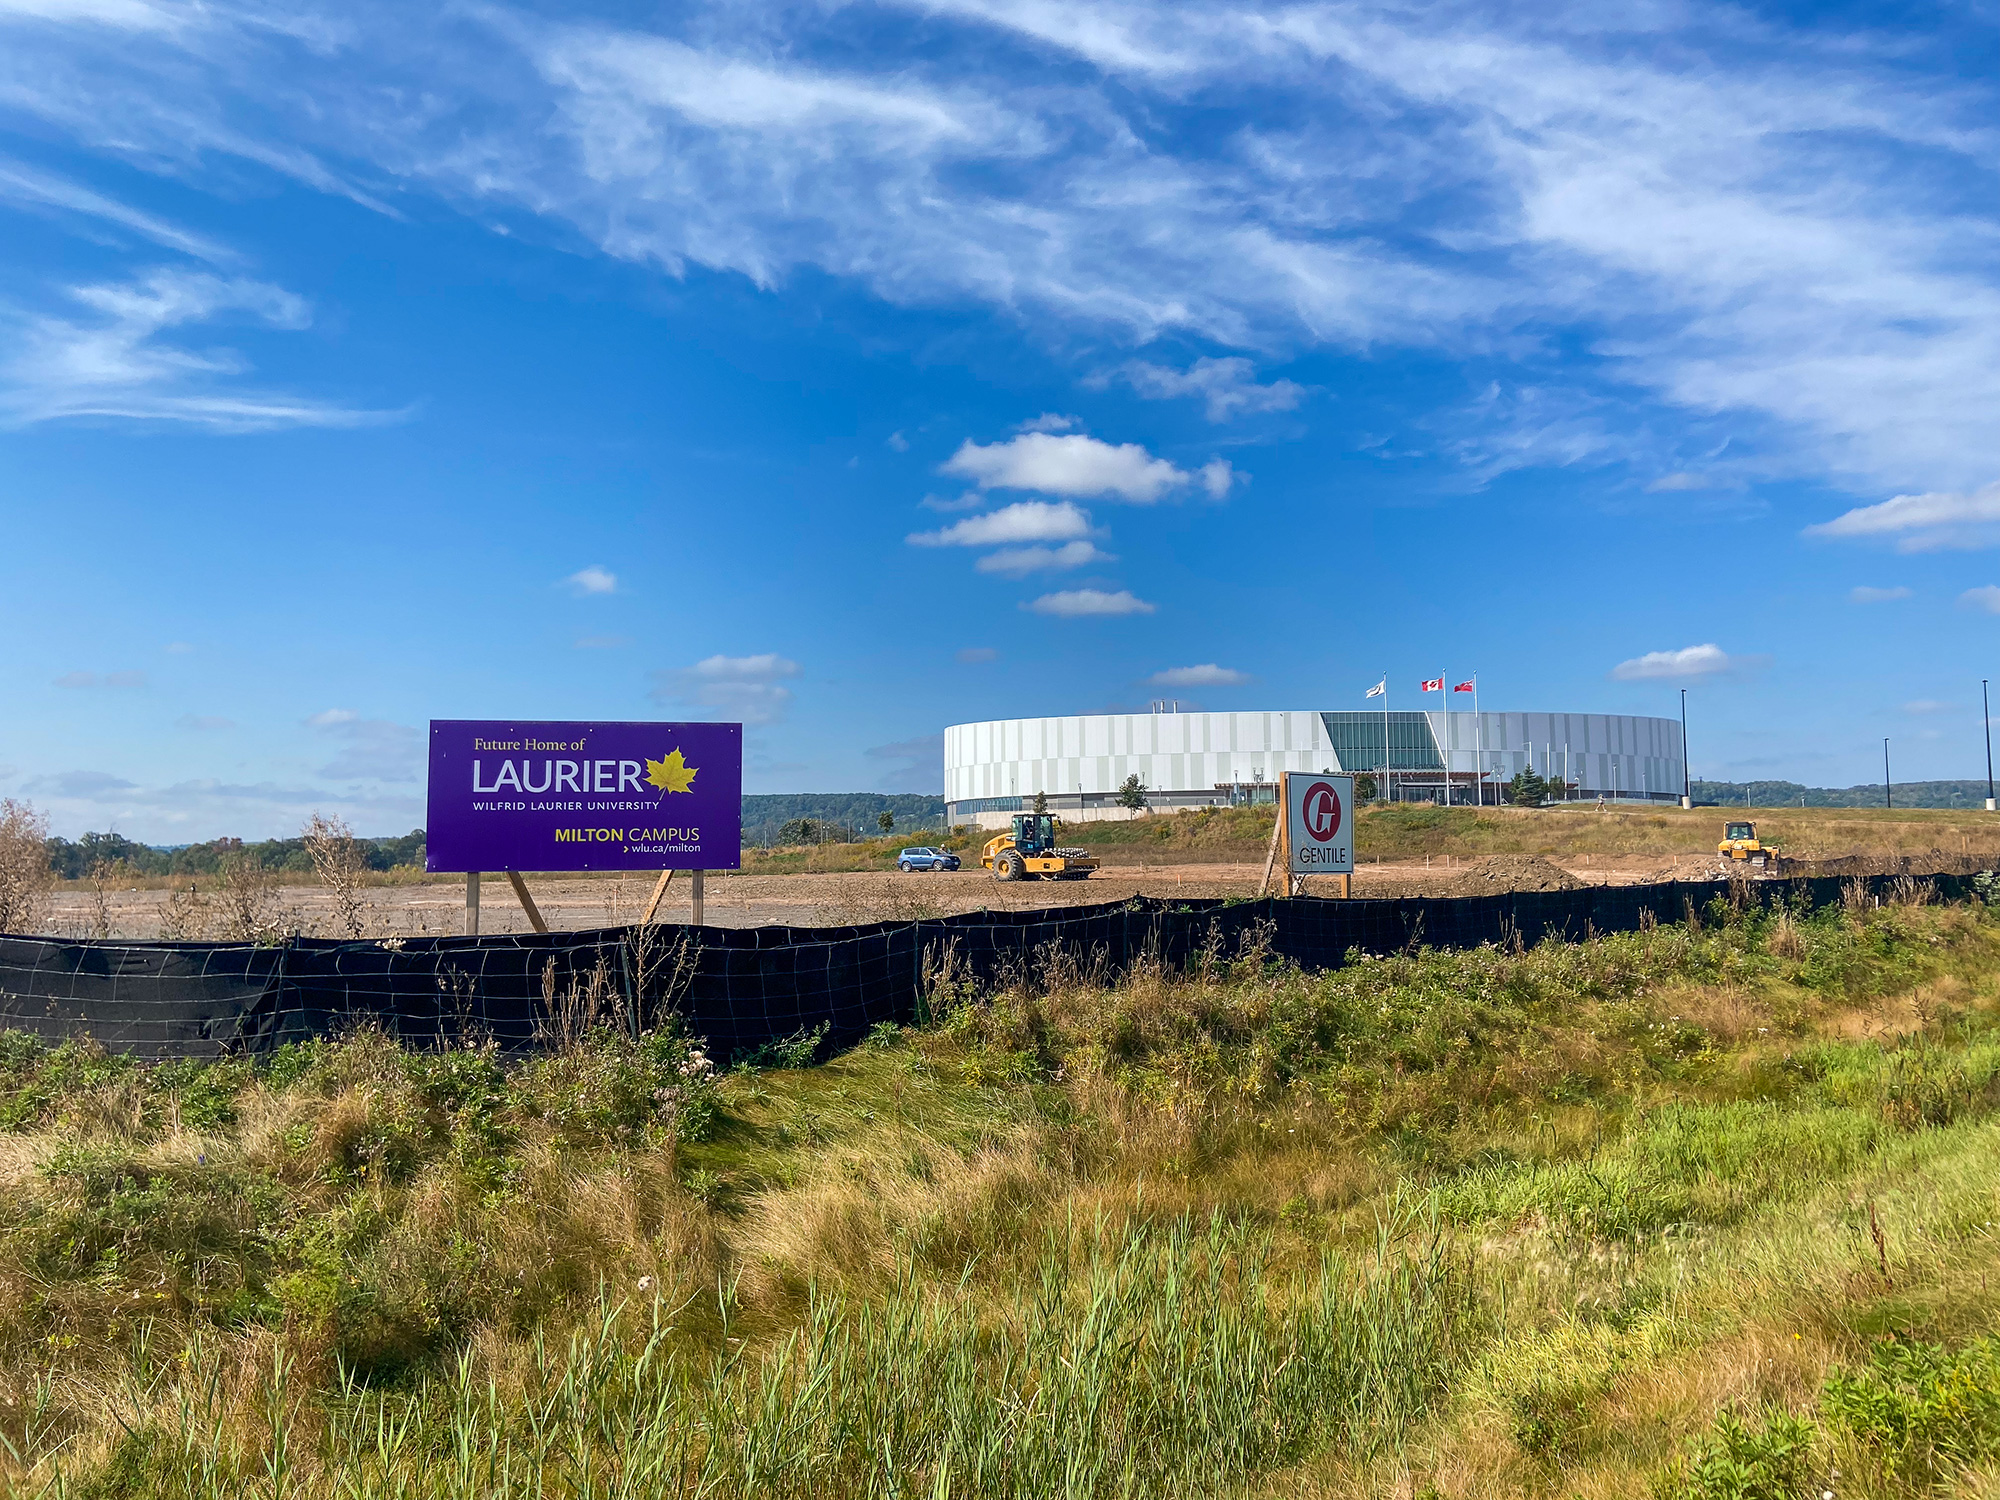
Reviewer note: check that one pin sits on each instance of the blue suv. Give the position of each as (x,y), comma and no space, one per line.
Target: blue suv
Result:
(926,859)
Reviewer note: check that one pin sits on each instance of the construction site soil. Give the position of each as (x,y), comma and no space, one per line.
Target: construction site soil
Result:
(436,907)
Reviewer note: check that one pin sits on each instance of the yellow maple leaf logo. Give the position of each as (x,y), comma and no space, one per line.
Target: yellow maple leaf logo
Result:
(673,774)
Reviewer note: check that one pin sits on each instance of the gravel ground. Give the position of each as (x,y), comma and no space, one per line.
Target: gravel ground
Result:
(437,907)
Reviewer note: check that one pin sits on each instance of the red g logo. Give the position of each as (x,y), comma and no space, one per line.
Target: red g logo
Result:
(1321,811)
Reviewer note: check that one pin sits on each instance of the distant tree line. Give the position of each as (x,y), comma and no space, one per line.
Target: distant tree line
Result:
(74,859)
(833,817)
(1947,794)
(790,818)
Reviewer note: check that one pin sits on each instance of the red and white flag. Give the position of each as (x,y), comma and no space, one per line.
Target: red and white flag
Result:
(1433,684)
(1463,687)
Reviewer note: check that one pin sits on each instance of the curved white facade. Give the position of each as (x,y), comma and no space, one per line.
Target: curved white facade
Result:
(994,769)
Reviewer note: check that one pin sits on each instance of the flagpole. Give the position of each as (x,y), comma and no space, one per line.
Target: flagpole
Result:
(1388,765)
(1479,739)
(1444,733)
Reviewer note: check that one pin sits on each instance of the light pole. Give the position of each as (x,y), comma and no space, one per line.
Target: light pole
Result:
(1986,713)
(1888,798)
(1687,783)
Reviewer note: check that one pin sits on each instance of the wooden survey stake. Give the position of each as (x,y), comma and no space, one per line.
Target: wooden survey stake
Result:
(472,903)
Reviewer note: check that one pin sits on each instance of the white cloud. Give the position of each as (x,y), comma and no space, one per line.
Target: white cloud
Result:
(1207,675)
(1228,387)
(747,688)
(898,443)
(328,718)
(1071,464)
(1077,603)
(1023,521)
(1049,421)
(1018,562)
(115,364)
(1216,478)
(972,655)
(1924,706)
(1689,661)
(101,680)
(1986,597)
(1861,593)
(592,580)
(1924,523)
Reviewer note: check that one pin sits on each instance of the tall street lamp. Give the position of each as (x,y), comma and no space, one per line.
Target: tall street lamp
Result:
(1687,784)
(1888,799)
(1986,713)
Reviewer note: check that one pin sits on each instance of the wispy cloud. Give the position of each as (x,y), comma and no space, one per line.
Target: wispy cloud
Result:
(918,764)
(1679,481)
(1924,523)
(24,185)
(1206,675)
(592,580)
(749,688)
(198,809)
(973,655)
(1986,597)
(369,749)
(1018,562)
(1227,388)
(1862,593)
(127,679)
(111,359)
(1725,214)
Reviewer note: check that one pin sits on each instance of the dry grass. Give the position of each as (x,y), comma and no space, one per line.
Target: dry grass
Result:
(1650,1159)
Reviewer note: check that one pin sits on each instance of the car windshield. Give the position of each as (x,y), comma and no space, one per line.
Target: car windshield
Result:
(1740,831)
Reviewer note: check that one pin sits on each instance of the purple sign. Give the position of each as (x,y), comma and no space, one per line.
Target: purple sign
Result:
(525,795)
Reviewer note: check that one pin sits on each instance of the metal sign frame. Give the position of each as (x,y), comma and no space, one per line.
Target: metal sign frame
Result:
(1317,809)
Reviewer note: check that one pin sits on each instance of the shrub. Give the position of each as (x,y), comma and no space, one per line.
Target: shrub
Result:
(25,875)
(1770,1461)
(1919,1412)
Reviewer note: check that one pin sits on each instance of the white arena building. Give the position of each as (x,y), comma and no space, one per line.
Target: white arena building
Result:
(994,769)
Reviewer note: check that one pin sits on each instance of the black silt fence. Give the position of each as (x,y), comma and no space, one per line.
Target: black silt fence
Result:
(743,988)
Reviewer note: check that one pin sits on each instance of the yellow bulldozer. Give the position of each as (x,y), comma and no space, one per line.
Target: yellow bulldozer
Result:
(1740,842)
(1029,852)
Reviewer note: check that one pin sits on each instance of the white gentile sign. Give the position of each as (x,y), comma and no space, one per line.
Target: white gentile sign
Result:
(1319,823)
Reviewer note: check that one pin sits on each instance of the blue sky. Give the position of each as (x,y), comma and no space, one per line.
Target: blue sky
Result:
(852,370)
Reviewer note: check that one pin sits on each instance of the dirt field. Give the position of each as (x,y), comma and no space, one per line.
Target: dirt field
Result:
(736,900)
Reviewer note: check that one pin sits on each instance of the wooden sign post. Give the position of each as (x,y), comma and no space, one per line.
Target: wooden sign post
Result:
(1314,829)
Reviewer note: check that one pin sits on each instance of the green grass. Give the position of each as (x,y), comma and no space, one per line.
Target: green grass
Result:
(1691,1212)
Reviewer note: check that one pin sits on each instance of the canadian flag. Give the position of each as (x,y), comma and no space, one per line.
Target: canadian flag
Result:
(1463,687)
(1433,684)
